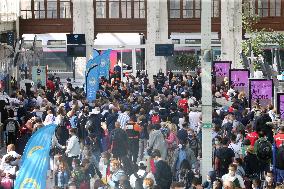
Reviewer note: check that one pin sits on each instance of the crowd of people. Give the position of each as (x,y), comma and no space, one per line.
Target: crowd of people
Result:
(141,135)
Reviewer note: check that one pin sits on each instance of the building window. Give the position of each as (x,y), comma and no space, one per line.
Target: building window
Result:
(175,41)
(191,8)
(188,41)
(215,9)
(139,9)
(51,9)
(188,9)
(174,8)
(251,6)
(126,8)
(114,9)
(269,8)
(26,9)
(275,8)
(39,9)
(65,9)
(263,8)
(197,8)
(101,9)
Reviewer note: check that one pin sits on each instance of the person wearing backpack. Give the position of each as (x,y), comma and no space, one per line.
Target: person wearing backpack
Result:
(223,158)
(11,127)
(279,157)
(163,174)
(263,149)
(136,179)
(180,154)
(119,142)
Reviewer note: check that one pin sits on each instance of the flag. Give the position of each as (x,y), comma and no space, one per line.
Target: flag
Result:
(91,61)
(105,64)
(92,79)
(33,171)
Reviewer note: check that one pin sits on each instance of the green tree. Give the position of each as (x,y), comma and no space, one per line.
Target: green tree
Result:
(187,61)
(258,39)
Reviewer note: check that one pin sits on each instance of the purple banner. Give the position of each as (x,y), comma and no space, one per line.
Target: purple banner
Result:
(262,90)
(240,80)
(280,105)
(221,70)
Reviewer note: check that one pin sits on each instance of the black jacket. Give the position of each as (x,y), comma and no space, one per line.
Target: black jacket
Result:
(251,164)
(163,175)
(93,125)
(110,121)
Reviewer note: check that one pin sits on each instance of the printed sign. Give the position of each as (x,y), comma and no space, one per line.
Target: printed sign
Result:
(39,75)
(280,105)
(261,91)
(221,70)
(239,78)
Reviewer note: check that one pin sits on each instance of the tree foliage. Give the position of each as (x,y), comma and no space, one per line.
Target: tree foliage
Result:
(187,61)
(258,38)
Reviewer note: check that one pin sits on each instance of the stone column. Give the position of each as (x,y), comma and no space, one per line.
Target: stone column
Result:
(231,31)
(157,33)
(83,23)
(206,81)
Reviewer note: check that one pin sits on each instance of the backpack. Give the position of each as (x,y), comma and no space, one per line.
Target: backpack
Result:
(155,119)
(11,126)
(225,161)
(264,150)
(139,180)
(280,158)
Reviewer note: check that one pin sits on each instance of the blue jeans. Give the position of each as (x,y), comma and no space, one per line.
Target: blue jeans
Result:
(279,175)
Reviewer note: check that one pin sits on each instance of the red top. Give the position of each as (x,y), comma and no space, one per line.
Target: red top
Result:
(279,139)
(50,85)
(253,136)
(182,103)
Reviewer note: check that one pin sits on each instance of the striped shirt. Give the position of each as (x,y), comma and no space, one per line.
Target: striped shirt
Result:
(123,118)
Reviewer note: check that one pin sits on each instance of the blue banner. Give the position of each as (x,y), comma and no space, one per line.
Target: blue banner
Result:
(105,64)
(35,160)
(91,61)
(92,79)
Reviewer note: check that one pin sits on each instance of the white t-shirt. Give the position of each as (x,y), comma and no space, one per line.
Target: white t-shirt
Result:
(194,118)
(228,177)
(236,148)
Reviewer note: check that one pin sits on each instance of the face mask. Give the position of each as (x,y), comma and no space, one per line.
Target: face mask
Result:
(268,179)
(231,173)
(217,142)
(155,161)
